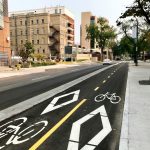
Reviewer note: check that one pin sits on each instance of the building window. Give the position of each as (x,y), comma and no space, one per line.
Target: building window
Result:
(31,21)
(11,33)
(21,42)
(38,41)
(37,21)
(38,51)
(42,20)
(32,41)
(55,11)
(21,33)
(60,11)
(21,22)
(44,51)
(37,31)
(25,22)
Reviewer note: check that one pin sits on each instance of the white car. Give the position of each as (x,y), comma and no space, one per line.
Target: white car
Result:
(107,62)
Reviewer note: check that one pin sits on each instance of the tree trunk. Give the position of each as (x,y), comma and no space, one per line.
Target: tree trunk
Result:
(102,55)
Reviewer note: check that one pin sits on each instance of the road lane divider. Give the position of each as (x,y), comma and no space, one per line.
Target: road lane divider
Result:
(104,81)
(29,103)
(39,78)
(96,88)
(52,130)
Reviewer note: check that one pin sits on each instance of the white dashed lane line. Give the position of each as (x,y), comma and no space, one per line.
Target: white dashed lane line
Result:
(96,88)
(43,77)
(104,81)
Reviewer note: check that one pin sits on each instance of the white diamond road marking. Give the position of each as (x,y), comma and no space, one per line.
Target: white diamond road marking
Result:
(52,106)
(29,103)
(75,132)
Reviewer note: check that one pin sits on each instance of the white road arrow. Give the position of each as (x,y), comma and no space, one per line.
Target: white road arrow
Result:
(52,105)
(75,132)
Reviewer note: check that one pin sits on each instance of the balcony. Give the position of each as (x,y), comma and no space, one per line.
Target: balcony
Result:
(70,35)
(70,29)
(70,41)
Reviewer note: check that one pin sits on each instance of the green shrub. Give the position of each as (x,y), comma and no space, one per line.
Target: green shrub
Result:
(37,64)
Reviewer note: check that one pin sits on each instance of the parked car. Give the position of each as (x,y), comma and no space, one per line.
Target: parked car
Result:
(107,62)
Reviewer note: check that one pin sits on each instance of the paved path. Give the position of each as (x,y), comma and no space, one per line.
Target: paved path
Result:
(136,120)
(66,112)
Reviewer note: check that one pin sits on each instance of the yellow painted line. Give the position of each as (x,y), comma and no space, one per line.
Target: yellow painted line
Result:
(96,89)
(104,81)
(52,130)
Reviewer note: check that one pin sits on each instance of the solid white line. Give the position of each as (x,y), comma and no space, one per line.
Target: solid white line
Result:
(40,78)
(20,107)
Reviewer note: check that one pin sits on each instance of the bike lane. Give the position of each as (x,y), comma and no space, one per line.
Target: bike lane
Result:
(106,116)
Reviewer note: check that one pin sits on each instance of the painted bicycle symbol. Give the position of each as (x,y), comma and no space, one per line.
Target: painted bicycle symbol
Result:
(112,97)
(11,133)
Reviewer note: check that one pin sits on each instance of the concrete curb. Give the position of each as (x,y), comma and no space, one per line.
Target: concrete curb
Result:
(124,139)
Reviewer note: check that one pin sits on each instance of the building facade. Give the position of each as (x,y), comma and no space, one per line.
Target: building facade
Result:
(90,45)
(5,52)
(48,29)
(86,19)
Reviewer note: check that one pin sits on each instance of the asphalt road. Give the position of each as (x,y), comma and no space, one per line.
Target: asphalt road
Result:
(17,81)
(72,119)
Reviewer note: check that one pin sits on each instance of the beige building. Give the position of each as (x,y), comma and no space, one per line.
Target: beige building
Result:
(49,29)
(86,19)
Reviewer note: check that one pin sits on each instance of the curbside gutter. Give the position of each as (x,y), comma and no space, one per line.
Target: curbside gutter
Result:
(124,138)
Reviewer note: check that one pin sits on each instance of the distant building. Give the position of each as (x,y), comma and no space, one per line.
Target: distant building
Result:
(49,29)
(90,45)
(5,52)
(86,19)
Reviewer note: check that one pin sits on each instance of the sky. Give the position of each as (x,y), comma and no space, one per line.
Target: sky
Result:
(110,9)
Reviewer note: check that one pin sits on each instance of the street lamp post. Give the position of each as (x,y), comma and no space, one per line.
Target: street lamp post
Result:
(135,36)
(136,41)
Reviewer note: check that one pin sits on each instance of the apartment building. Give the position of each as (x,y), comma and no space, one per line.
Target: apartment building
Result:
(49,29)
(86,19)
(5,52)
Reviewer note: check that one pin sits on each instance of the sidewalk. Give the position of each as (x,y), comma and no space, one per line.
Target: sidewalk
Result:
(135,134)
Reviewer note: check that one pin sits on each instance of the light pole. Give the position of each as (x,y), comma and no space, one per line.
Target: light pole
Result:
(136,39)
(135,36)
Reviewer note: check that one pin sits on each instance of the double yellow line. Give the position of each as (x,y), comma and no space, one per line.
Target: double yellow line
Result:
(51,131)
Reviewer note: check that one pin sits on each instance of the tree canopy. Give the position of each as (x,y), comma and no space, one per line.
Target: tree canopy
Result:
(139,8)
(26,51)
(101,33)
